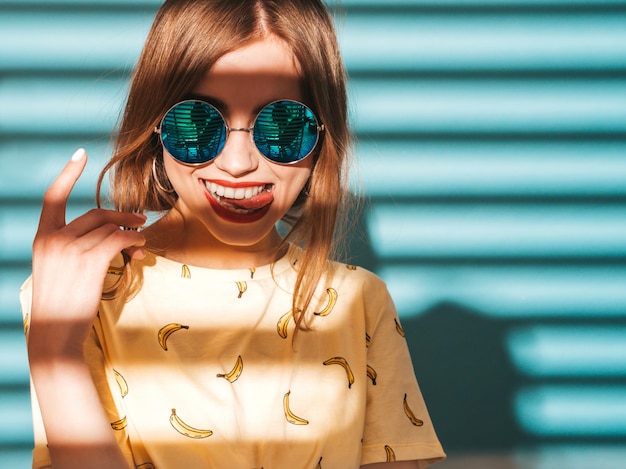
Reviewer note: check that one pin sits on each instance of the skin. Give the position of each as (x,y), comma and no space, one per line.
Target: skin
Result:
(63,309)
(239,84)
(64,306)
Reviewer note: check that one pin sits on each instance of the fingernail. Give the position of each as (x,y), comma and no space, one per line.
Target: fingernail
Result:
(79,154)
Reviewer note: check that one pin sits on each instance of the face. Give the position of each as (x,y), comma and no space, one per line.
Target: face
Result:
(237,198)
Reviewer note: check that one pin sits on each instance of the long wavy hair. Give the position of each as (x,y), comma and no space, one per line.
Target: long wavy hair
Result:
(186,39)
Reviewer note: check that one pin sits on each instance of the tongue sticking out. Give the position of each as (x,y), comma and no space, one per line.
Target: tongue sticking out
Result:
(254,203)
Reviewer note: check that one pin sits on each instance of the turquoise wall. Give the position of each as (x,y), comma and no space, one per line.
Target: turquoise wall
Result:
(491,144)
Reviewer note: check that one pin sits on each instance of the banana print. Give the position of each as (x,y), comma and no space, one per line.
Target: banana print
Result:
(242,287)
(351,267)
(121,382)
(233,374)
(252,271)
(26,323)
(332,299)
(119,424)
(282,324)
(289,415)
(166,331)
(342,362)
(391,456)
(368,340)
(371,374)
(185,273)
(399,328)
(409,413)
(184,429)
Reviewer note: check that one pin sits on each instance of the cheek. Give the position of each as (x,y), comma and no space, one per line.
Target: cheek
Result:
(174,171)
(296,180)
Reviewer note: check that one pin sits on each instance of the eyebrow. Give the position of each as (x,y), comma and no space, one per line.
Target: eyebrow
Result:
(218,103)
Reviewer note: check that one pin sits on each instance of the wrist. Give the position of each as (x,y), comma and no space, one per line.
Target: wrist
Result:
(53,343)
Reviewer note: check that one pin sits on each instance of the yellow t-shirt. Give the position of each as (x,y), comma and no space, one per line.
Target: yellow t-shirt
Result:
(197,369)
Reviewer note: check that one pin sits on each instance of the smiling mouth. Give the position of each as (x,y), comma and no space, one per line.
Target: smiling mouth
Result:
(240,204)
(242,198)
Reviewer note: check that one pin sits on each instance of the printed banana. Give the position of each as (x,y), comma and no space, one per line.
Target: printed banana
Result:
(119,424)
(332,299)
(391,456)
(26,323)
(185,273)
(344,363)
(289,415)
(233,374)
(121,382)
(252,271)
(368,340)
(409,413)
(166,331)
(282,324)
(242,286)
(351,267)
(399,328)
(371,374)
(187,430)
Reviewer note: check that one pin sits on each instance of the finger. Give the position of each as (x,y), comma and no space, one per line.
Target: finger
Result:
(135,252)
(55,199)
(110,237)
(98,217)
(117,241)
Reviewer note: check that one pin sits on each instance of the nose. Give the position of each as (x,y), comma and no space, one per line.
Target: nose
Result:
(239,155)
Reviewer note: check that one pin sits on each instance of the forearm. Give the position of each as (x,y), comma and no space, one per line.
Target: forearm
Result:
(78,431)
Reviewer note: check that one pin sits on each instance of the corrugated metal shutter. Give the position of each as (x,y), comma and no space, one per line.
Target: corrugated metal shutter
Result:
(492,146)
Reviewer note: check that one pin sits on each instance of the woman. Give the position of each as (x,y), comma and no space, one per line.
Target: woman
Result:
(214,340)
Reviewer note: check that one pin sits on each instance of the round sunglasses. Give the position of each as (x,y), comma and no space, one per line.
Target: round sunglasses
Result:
(194,132)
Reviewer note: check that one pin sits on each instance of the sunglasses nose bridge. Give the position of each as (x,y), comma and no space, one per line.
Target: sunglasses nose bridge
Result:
(238,156)
(239,129)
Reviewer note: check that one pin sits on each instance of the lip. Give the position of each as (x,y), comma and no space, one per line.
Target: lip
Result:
(230,215)
(234,184)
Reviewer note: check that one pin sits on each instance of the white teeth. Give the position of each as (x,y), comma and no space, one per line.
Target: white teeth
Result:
(232,193)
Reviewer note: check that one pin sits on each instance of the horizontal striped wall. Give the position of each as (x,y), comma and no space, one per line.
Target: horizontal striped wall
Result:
(491,146)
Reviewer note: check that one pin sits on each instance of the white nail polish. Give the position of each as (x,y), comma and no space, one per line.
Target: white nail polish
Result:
(78,154)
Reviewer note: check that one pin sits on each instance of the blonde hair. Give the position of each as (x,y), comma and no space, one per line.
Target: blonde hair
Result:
(186,39)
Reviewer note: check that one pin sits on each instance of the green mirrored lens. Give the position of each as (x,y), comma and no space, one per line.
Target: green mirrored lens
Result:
(193,132)
(286,131)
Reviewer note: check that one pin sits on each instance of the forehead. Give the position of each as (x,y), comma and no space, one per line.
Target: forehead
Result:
(270,54)
(263,70)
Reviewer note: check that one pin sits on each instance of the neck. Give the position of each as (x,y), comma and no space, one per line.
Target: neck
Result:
(189,242)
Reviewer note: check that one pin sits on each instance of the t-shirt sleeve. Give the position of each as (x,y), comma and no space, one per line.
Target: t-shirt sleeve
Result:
(41,457)
(103,379)
(397,424)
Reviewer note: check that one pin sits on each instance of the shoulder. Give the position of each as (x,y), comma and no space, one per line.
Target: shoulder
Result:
(360,289)
(356,277)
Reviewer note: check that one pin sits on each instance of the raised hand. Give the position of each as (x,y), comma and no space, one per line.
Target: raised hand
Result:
(70,261)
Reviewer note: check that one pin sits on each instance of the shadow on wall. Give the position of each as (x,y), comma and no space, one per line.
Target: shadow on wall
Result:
(467,378)
(463,368)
